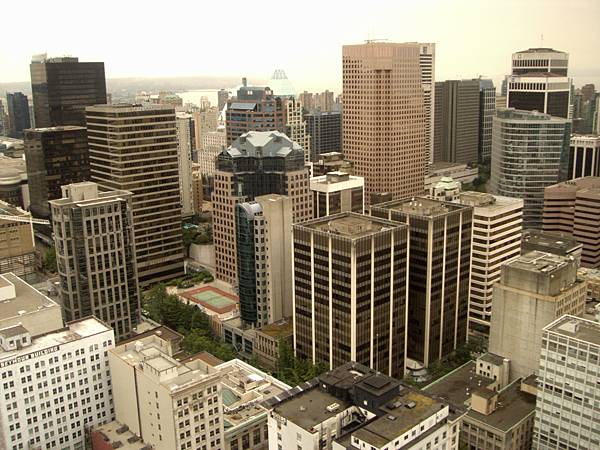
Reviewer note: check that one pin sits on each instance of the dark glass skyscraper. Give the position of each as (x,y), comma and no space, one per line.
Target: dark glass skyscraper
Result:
(18,114)
(63,87)
(325,130)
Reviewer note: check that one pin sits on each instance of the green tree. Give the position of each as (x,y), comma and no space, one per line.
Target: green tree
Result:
(292,370)
(49,260)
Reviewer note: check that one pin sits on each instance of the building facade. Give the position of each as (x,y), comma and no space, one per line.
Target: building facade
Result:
(456,135)
(17,107)
(257,163)
(295,126)
(427,64)
(568,398)
(528,152)
(55,157)
(385,140)
(439,271)
(350,287)
(134,148)
(337,192)
(63,87)
(17,250)
(186,145)
(95,254)
(534,290)
(487,109)
(584,157)
(325,130)
(497,229)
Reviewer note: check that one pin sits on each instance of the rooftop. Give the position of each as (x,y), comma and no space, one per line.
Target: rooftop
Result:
(540,262)
(279,329)
(541,50)
(420,206)
(114,432)
(513,406)
(262,144)
(577,328)
(558,243)
(54,129)
(350,225)
(212,299)
(518,115)
(492,358)
(25,299)
(487,202)
(129,107)
(7,209)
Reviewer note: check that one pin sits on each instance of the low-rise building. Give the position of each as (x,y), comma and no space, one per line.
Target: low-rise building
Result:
(331,162)
(445,190)
(461,173)
(17,251)
(268,340)
(217,304)
(337,192)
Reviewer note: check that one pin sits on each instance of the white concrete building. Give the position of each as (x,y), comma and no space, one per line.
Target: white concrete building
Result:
(568,396)
(497,228)
(445,190)
(54,380)
(427,64)
(296,126)
(213,143)
(185,146)
(584,156)
(337,192)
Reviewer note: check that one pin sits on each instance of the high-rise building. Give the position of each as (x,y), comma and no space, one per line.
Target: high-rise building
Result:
(263,240)
(95,254)
(568,389)
(17,251)
(497,227)
(584,157)
(205,121)
(439,272)
(197,189)
(213,143)
(528,152)
(386,140)
(142,158)
(534,290)
(54,378)
(321,101)
(3,120)
(63,87)
(427,64)
(539,82)
(254,109)
(295,125)
(186,144)
(18,114)
(222,97)
(487,109)
(584,109)
(573,207)
(55,157)
(350,291)
(337,192)
(257,163)
(456,135)
(325,130)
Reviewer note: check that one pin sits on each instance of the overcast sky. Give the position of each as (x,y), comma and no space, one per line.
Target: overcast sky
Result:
(303,37)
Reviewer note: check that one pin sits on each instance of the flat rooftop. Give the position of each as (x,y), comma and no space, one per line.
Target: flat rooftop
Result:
(114,432)
(539,262)
(420,206)
(487,202)
(212,298)
(351,225)
(577,328)
(279,329)
(27,300)
(515,406)
(557,243)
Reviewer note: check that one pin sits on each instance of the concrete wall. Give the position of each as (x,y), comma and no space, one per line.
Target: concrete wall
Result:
(203,254)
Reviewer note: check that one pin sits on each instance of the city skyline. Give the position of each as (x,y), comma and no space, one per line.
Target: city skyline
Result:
(395,22)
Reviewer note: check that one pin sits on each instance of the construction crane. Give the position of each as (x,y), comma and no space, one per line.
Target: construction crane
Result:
(24,219)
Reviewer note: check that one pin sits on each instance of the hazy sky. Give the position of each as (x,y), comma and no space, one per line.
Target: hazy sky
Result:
(303,37)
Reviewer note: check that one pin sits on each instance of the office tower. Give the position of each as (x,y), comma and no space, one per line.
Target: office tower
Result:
(539,82)
(497,227)
(325,131)
(213,143)
(295,125)
(150,383)
(55,157)
(337,192)
(427,64)
(17,251)
(222,96)
(205,121)
(63,87)
(584,157)
(533,291)
(197,190)
(439,271)
(456,135)
(324,101)
(354,407)
(257,163)
(3,120)
(185,145)
(95,254)
(573,207)
(143,161)
(527,155)
(254,109)
(568,393)
(487,110)
(584,110)
(263,241)
(596,119)
(36,352)
(386,140)
(18,114)
(350,299)
(307,99)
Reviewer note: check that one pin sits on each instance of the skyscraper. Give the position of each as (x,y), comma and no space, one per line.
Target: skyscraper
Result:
(295,125)
(568,388)
(487,109)
(142,158)
(55,157)
(497,227)
(263,240)
(325,131)
(385,139)
(456,135)
(93,234)
(584,157)
(439,271)
(539,82)
(222,97)
(186,145)
(63,87)
(534,290)
(350,291)
(528,152)
(18,113)
(257,163)
(427,63)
